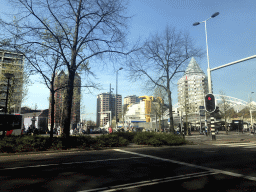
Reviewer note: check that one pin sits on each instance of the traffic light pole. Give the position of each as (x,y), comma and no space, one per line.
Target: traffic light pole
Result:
(213,127)
(210,107)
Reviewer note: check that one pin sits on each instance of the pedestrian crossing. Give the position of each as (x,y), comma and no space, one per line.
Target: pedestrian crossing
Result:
(243,145)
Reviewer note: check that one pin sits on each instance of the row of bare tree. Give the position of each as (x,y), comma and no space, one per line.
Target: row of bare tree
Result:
(68,34)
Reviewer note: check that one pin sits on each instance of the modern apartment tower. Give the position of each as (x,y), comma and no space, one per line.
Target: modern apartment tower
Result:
(192,88)
(105,104)
(131,99)
(61,80)
(12,63)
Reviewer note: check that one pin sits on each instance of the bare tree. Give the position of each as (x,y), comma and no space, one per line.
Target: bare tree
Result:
(161,58)
(224,109)
(82,30)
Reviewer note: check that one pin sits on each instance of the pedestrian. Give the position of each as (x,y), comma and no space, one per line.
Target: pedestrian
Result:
(110,130)
(58,130)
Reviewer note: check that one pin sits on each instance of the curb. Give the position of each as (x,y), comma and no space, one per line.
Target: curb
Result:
(130,145)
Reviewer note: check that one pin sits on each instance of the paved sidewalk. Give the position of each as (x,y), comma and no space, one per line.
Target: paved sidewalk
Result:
(222,137)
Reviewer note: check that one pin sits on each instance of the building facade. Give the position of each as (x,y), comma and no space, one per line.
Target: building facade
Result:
(41,119)
(13,63)
(135,114)
(61,80)
(192,88)
(106,102)
(128,100)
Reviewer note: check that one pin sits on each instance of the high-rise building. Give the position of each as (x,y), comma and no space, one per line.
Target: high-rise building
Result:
(60,80)
(13,63)
(106,103)
(131,99)
(192,88)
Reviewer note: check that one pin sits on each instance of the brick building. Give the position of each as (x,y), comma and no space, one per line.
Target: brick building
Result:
(60,80)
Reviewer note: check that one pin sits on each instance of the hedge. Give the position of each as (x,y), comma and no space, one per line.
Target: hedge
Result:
(26,143)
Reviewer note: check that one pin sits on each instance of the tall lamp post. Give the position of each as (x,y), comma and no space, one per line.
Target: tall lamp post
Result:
(208,70)
(116,91)
(250,100)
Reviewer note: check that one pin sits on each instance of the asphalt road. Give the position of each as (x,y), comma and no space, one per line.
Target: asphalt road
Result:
(193,167)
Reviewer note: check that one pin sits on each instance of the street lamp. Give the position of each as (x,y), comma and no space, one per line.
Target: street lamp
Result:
(8,76)
(116,91)
(208,70)
(250,100)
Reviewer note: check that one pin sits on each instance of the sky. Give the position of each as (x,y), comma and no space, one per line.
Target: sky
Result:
(231,37)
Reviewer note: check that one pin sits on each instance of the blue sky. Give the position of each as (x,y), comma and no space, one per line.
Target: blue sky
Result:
(231,37)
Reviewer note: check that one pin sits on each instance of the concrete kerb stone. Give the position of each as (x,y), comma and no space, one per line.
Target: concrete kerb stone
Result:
(222,139)
(130,145)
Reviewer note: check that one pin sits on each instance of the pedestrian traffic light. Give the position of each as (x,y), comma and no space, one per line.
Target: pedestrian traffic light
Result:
(210,103)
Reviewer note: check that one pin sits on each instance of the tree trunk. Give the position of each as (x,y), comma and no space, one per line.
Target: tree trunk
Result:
(52,113)
(68,99)
(226,126)
(170,112)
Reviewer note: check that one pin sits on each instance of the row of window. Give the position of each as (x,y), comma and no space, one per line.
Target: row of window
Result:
(13,55)
(11,61)
(192,89)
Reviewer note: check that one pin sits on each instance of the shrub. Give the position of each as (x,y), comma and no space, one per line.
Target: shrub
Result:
(6,147)
(156,139)
(123,141)
(56,144)
(143,137)
(12,144)
(111,140)
(155,142)
(126,135)
(85,141)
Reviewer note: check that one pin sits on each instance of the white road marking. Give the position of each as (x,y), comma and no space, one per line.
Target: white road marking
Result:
(70,163)
(190,165)
(243,145)
(150,182)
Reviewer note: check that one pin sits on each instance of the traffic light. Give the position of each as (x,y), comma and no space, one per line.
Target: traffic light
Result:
(210,103)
